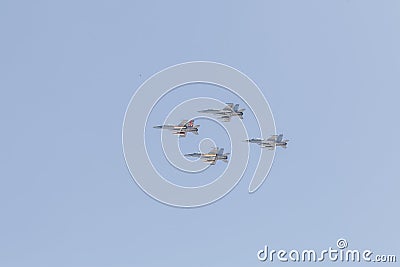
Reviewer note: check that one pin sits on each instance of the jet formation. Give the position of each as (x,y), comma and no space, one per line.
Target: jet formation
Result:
(182,128)
(225,114)
(270,143)
(212,156)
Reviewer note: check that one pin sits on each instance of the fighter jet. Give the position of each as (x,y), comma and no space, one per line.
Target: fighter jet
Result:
(212,156)
(271,142)
(182,128)
(226,113)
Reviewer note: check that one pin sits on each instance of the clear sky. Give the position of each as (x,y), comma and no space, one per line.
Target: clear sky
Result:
(329,69)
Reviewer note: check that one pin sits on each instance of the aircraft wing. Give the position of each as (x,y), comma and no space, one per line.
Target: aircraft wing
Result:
(211,161)
(183,123)
(180,133)
(267,145)
(228,106)
(225,118)
(272,138)
(275,138)
(213,151)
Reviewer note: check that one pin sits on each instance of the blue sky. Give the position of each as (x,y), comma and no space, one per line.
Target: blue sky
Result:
(329,70)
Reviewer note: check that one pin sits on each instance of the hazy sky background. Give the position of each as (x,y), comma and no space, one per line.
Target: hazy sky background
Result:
(329,69)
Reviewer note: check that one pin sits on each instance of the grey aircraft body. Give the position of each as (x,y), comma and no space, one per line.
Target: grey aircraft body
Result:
(225,114)
(271,142)
(182,128)
(212,156)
